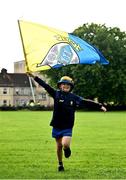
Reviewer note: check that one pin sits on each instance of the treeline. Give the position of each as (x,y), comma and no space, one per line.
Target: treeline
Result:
(31,108)
(50,108)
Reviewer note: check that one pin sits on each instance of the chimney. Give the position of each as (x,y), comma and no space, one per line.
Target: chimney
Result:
(3,71)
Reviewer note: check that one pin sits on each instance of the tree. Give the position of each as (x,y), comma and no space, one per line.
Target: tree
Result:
(107,83)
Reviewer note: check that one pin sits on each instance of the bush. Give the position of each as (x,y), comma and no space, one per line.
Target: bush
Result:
(31,108)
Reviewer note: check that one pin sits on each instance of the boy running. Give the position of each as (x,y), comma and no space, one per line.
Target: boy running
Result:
(65,105)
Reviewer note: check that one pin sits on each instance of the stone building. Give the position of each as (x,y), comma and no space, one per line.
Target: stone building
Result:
(15,88)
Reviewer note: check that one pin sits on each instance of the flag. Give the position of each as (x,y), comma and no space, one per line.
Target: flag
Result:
(46,48)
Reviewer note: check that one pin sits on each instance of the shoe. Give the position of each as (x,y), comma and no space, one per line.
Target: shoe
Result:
(67,152)
(60,168)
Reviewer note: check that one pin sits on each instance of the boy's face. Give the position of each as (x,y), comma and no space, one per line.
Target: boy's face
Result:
(65,87)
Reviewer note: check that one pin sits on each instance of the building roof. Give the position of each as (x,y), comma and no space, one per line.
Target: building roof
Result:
(14,80)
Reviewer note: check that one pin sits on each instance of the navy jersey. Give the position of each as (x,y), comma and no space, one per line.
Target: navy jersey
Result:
(65,104)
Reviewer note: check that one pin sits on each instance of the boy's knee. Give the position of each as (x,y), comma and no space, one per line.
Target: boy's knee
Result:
(65,145)
(66,142)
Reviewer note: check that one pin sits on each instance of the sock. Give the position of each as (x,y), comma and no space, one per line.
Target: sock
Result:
(61,163)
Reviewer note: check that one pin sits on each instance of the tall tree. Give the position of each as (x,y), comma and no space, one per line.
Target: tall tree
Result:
(107,83)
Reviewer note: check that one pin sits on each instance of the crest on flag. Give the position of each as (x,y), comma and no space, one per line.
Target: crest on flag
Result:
(60,55)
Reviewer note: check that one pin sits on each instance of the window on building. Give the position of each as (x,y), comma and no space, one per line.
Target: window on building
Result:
(22,91)
(22,102)
(27,91)
(4,102)
(16,102)
(4,90)
(17,91)
(43,96)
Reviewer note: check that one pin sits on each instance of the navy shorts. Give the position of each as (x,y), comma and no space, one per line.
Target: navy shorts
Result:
(59,133)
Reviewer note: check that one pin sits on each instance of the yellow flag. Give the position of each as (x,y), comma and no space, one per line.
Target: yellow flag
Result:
(37,41)
(46,48)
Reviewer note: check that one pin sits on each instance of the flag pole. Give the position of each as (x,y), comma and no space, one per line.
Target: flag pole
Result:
(33,95)
(23,46)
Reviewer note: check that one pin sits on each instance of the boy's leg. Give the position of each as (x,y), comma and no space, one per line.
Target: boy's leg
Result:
(59,154)
(66,140)
(59,149)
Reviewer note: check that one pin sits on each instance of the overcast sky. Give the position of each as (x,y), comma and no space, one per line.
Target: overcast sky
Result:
(64,15)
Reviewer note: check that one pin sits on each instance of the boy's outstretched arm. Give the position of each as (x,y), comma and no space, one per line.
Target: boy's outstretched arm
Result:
(42,83)
(92,104)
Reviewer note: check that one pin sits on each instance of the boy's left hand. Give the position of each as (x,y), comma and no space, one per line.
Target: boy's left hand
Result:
(103,109)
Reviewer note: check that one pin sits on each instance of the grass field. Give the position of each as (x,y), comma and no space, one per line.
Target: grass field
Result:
(27,150)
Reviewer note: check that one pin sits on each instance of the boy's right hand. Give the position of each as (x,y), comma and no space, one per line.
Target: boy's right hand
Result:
(30,74)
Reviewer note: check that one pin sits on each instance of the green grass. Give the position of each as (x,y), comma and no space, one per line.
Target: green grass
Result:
(27,150)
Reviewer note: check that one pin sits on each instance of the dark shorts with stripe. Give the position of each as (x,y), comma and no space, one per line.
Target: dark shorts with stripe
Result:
(59,133)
